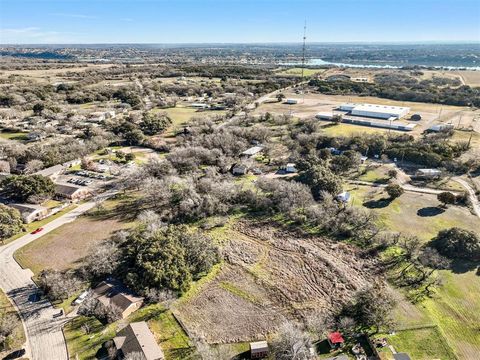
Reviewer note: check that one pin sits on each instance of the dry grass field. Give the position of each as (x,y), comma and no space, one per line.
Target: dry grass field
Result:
(470,77)
(455,309)
(50,75)
(66,246)
(269,275)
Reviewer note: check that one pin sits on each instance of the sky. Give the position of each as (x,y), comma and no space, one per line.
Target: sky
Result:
(237,21)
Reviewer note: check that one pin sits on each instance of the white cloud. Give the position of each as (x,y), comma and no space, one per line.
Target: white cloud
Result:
(34,35)
(77,16)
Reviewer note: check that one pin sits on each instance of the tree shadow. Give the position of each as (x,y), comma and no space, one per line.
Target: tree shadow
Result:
(461,266)
(377,204)
(430,211)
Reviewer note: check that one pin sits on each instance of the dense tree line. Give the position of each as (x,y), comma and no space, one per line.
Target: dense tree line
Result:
(421,92)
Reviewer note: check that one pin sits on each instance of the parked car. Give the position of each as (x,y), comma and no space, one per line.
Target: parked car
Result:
(81,298)
(36,231)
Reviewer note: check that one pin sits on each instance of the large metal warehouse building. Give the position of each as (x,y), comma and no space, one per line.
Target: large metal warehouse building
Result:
(375,111)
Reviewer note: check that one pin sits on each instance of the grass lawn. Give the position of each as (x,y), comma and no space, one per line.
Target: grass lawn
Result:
(421,344)
(36,224)
(66,246)
(182,115)
(455,309)
(167,331)
(84,346)
(349,130)
(298,71)
(20,136)
(414,213)
(16,340)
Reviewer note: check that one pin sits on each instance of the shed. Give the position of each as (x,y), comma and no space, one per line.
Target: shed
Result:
(239,169)
(254,150)
(290,168)
(258,349)
(343,197)
(335,340)
(428,173)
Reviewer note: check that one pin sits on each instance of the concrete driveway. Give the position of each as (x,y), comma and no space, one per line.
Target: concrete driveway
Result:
(44,334)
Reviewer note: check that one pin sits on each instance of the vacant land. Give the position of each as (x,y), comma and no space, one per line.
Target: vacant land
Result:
(413,213)
(470,77)
(66,246)
(298,71)
(270,275)
(352,130)
(455,309)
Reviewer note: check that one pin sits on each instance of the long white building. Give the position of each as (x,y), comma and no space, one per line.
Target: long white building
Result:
(375,111)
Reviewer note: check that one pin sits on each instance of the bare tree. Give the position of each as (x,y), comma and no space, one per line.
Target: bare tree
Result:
(291,343)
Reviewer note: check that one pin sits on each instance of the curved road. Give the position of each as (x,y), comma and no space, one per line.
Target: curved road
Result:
(471,193)
(44,334)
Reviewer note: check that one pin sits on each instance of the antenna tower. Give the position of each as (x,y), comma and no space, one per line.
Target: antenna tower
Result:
(303,48)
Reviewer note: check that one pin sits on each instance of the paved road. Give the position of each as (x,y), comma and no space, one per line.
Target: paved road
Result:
(44,334)
(471,192)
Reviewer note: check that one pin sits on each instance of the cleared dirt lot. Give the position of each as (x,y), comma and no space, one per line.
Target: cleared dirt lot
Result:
(271,275)
(66,246)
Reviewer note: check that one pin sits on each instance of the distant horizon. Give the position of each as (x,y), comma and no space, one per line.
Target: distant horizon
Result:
(406,42)
(47,22)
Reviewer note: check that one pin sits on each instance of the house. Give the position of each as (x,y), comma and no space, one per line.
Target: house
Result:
(254,150)
(401,356)
(137,338)
(428,173)
(31,212)
(113,293)
(72,192)
(239,169)
(335,340)
(258,350)
(52,172)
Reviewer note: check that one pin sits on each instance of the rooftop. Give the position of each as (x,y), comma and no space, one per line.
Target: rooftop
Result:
(137,338)
(335,338)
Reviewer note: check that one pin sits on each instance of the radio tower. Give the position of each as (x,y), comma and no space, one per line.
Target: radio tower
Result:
(303,48)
